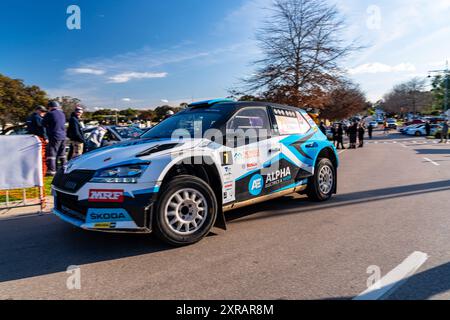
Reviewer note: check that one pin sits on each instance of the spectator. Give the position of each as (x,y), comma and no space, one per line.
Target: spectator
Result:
(444,134)
(340,136)
(323,128)
(428,128)
(353,132)
(334,134)
(361,133)
(54,123)
(75,134)
(35,127)
(169,114)
(386,127)
(370,131)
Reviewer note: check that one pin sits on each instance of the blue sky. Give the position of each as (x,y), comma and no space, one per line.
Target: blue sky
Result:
(142,53)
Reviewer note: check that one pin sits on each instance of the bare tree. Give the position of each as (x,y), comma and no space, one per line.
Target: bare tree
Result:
(302,44)
(344,101)
(410,96)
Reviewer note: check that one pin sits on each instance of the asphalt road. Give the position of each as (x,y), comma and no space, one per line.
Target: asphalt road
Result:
(394,199)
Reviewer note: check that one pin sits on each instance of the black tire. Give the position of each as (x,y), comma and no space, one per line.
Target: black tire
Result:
(418,134)
(162,227)
(314,191)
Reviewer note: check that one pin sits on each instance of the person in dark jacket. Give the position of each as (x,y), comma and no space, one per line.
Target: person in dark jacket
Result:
(361,133)
(323,128)
(353,133)
(75,134)
(34,123)
(340,136)
(54,123)
(370,130)
(428,128)
(35,127)
(334,134)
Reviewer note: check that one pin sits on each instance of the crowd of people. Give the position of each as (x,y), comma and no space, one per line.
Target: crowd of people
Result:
(49,125)
(356,133)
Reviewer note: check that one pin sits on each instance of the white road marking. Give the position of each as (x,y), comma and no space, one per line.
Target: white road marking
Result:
(404,146)
(431,161)
(394,278)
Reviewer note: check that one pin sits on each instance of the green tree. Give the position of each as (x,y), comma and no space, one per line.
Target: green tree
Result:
(18,100)
(439,84)
(161,112)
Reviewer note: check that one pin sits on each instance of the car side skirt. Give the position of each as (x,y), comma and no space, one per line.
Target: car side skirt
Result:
(268,197)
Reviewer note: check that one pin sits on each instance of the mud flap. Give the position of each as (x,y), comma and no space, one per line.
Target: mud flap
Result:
(221,223)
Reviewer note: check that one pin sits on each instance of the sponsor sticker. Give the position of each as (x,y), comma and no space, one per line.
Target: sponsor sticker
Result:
(228,186)
(256,185)
(252,165)
(106,196)
(105,225)
(227,158)
(107,216)
(252,154)
(277,177)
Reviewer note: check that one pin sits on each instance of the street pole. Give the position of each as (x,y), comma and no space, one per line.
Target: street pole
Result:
(446,88)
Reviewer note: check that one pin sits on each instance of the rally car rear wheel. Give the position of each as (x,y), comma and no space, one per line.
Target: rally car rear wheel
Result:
(322,185)
(186,211)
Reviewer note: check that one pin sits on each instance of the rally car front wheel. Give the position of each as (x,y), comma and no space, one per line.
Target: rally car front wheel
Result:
(185,212)
(323,184)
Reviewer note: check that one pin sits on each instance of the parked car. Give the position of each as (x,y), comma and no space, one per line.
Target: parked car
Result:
(392,124)
(415,122)
(179,188)
(114,134)
(406,128)
(15,131)
(374,124)
(419,130)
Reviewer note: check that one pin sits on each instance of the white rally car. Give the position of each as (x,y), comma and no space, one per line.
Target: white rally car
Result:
(185,173)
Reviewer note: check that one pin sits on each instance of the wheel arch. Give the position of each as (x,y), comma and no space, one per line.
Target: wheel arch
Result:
(205,168)
(329,153)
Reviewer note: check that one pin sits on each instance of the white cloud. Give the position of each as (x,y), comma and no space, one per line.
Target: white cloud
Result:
(126,100)
(92,71)
(128,76)
(377,67)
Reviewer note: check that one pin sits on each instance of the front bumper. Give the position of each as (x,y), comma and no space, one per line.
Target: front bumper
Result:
(134,215)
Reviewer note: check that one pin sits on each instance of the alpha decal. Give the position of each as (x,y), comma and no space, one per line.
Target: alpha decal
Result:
(277,177)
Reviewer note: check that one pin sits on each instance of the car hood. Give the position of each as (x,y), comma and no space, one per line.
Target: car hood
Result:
(126,152)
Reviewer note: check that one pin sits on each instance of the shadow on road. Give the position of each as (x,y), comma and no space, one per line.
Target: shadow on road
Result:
(432,151)
(425,285)
(295,205)
(422,286)
(35,246)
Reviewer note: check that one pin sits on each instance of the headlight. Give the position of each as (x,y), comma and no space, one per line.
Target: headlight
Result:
(122,174)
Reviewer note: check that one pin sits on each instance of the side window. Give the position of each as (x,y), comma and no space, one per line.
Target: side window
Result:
(290,122)
(248,125)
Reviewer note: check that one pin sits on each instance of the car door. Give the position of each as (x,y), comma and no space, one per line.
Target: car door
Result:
(250,137)
(298,145)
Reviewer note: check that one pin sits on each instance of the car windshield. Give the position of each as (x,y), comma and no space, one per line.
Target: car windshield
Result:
(128,132)
(196,123)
